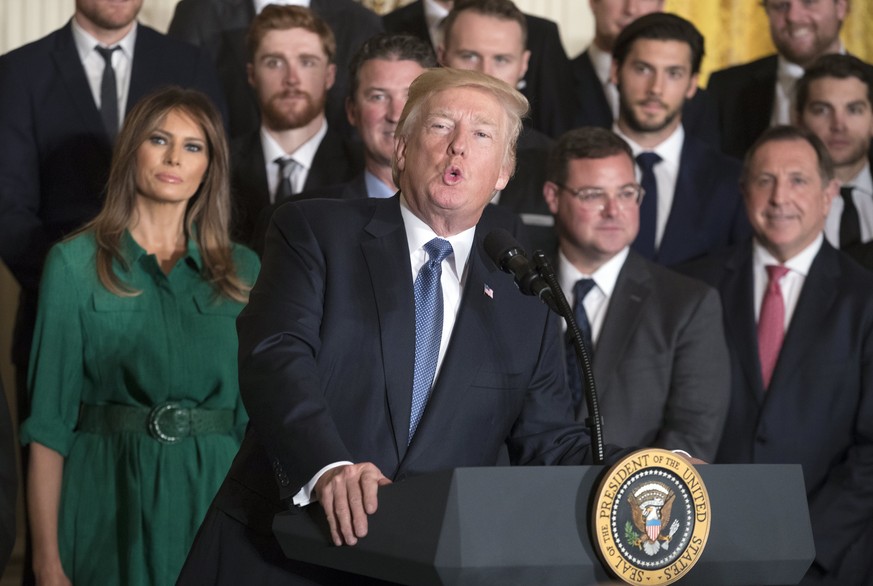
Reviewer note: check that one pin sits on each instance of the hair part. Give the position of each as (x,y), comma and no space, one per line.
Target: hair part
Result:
(661,26)
(389,47)
(834,66)
(276,17)
(431,82)
(588,142)
(499,9)
(789,134)
(207,217)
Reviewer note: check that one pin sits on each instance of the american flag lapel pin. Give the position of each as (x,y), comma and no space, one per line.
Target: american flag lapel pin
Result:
(489,291)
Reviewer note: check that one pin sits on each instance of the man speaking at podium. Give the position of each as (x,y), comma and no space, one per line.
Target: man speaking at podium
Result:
(380,342)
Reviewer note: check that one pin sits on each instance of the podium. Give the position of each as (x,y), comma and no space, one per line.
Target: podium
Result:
(530,525)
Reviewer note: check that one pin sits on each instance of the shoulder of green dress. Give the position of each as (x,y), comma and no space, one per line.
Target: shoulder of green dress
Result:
(77,251)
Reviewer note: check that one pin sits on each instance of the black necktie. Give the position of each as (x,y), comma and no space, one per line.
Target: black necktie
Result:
(850,224)
(287,167)
(645,240)
(574,380)
(109,92)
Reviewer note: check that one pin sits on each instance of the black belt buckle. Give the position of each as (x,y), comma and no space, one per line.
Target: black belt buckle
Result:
(169,423)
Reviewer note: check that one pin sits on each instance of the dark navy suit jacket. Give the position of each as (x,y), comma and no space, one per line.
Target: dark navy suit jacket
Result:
(818,410)
(707,212)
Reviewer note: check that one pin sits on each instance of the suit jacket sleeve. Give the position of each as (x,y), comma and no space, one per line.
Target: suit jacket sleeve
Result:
(23,241)
(279,340)
(700,383)
(842,508)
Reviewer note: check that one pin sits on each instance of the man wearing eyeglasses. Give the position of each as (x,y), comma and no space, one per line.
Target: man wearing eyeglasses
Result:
(692,205)
(659,353)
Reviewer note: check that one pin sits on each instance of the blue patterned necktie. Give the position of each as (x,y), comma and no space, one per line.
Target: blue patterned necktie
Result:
(428,326)
(645,241)
(574,380)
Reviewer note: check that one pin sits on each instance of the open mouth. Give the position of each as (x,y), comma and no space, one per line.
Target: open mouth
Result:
(452,175)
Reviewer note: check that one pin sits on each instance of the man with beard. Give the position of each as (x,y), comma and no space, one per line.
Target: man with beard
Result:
(835,102)
(291,68)
(595,101)
(756,95)
(692,202)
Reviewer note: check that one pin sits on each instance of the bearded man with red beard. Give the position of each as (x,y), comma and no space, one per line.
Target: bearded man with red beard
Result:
(291,68)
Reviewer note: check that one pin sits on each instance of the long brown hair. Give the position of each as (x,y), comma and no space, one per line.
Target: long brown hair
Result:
(208,214)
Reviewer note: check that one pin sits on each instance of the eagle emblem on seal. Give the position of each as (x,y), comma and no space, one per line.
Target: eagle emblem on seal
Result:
(651,505)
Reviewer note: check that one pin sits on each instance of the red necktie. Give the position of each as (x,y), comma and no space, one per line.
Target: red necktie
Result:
(771,323)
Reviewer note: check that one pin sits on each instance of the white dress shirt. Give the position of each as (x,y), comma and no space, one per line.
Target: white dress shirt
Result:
(596,302)
(791,284)
(304,155)
(787,76)
(666,174)
(94,64)
(376,188)
(862,195)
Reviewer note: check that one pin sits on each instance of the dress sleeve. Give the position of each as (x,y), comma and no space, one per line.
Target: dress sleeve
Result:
(56,362)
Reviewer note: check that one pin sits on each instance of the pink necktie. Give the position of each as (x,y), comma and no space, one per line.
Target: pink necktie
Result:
(771,323)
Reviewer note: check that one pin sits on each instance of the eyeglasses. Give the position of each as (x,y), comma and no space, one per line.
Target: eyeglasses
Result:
(596,199)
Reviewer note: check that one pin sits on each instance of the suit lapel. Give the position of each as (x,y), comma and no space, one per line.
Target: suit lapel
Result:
(760,97)
(69,68)
(818,295)
(391,276)
(596,111)
(632,289)
(737,291)
(685,211)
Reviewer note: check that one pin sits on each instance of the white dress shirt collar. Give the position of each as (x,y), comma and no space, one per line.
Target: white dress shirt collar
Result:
(377,188)
(791,284)
(602,63)
(862,196)
(94,64)
(418,234)
(304,156)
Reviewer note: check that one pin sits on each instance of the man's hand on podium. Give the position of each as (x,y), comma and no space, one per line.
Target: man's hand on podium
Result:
(348,494)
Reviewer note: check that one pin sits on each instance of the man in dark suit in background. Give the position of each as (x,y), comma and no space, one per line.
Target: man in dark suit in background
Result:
(595,97)
(60,108)
(380,342)
(692,204)
(754,96)
(220,26)
(546,80)
(835,102)
(489,36)
(798,316)
(658,348)
(291,69)
(380,75)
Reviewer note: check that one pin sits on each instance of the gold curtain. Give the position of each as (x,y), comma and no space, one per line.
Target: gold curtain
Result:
(736,31)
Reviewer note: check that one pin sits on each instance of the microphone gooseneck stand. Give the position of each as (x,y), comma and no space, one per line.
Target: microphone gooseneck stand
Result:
(583,359)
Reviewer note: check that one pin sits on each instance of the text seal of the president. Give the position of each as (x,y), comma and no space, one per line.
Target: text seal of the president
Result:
(651,517)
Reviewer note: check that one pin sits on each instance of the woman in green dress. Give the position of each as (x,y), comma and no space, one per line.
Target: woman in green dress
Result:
(136,413)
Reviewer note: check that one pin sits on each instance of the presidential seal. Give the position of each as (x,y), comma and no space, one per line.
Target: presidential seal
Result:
(651,517)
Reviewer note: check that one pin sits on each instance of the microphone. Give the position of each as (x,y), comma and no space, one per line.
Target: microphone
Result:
(508,254)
